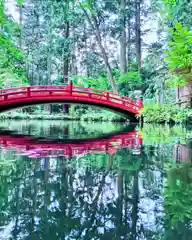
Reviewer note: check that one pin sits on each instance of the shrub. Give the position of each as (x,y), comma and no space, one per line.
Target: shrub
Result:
(102,117)
(164,113)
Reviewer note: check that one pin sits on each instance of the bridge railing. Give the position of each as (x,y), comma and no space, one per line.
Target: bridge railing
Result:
(70,90)
(107,94)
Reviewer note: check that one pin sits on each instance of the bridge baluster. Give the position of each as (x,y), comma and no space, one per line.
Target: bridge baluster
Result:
(28,92)
(5,97)
(106,148)
(70,88)
(107,96)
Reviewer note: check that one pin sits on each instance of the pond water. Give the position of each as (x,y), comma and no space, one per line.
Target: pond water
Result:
(116,182)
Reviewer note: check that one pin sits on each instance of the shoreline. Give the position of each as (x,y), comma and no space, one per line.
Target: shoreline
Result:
(61,117)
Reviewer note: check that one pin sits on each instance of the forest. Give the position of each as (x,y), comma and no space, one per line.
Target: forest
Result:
(136,48)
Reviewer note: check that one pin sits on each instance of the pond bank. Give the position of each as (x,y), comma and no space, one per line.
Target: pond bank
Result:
(95,117)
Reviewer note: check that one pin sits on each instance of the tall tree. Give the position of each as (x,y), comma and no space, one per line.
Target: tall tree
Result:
(138,32)
(66,32)
(91,14)
(12,72)
(122,20)
(66,51)
(129,33)
(48,107)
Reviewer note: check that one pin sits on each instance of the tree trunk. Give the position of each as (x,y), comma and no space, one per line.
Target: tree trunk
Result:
(73,65)
(21,24)
(119,215)
(74,70)
(135,200)
(20,37)
(138,32)
(122,21)
(66,54)
(86,50)
(129,36)
(177,94)
(105,57)
(37,40)
(66,62)
(48,107)
(162,93)
(95,27)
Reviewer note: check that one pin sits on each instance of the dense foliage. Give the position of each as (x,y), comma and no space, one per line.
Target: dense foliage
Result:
(164,113)
(12,72)
(179,52)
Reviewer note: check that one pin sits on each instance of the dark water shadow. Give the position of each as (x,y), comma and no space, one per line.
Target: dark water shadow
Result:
(130,129)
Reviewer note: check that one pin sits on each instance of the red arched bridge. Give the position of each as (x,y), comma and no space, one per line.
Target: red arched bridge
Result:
(26,96)
(35,148)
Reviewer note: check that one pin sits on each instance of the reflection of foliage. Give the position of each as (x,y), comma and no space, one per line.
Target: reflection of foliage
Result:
(178,198)
(178,193)
(154,134)
(96,196)
(7,169)
(59,129)
(123,160)
(77,199)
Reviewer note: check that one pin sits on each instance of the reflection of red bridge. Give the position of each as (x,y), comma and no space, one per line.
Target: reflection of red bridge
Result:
(25,96)
(35,148)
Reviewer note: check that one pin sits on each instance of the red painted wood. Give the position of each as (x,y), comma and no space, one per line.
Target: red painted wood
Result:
(24,96)
(34,148)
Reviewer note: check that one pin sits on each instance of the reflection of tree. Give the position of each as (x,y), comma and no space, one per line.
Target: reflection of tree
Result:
(93,197)
(183,152)
(178,202)
(6,171)
(135,200)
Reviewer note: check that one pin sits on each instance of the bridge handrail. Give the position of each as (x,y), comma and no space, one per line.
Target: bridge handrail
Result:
(32,87)
(71,89)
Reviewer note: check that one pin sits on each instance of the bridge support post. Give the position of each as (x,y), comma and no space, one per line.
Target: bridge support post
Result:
(28,92)
(70,88)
